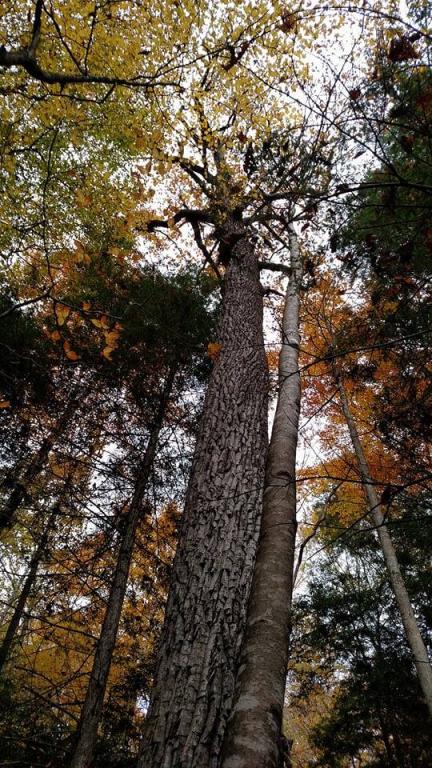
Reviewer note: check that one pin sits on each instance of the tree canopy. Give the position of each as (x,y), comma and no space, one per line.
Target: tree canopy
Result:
(215,218)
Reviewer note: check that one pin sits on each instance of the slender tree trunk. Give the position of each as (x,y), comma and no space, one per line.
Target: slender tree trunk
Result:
(29,581)
(386,739)
(37,463)
(212,570)
(409,621)
(253,736)
(92,709)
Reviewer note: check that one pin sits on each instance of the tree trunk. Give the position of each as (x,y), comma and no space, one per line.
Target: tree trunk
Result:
(92,709)
(386,739)
(38,461)
(212,570)
(253,736)
(30,579)
(409,621)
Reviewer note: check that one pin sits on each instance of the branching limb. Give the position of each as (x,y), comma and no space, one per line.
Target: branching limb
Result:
(188,214)
(36,29)
(304,544)
(206,253)
(17,307)
(23,58)
(274,267)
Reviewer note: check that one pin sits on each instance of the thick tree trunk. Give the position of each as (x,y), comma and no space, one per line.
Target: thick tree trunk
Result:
(92,709)
(253,736)
(212,571)
(29,581)
(409,621)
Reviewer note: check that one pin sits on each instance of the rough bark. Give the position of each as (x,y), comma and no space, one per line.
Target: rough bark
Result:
(253,736)
(206,609)
(409,621)
(29,581)
(86,736)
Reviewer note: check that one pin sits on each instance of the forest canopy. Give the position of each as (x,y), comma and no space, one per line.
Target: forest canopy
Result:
(215,384)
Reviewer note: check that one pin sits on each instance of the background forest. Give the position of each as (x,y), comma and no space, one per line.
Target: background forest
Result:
(210,210)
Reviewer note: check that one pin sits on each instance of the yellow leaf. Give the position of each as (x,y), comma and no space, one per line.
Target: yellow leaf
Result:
(140,142)
(62,313)
(96,322)
(107,352)
(80,252)
(82,199)
(111,338)
(5,403)
(59,470)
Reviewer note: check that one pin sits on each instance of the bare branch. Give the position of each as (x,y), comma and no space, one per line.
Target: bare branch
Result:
(274,267)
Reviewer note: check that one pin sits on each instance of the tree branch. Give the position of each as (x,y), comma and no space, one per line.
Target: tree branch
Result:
(203,249)
(304,544)
(25,58)
(36,29)
(17,307)
(274,267)
(191,215)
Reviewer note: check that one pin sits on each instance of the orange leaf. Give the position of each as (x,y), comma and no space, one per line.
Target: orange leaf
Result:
(56,336)
(69,352)
(5,403)
(213,350)
(71,355)
(273,359)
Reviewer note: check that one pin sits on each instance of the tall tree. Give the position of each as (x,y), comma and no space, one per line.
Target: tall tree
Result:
(229,114)
(91,712)
(412,631)
(213,565)
(353,690)
(253,736)
(178,334)
(16,618)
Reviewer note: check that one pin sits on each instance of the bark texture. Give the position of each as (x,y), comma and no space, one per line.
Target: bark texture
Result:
(212,571)
(409,621)
(91,713)
(253,736)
